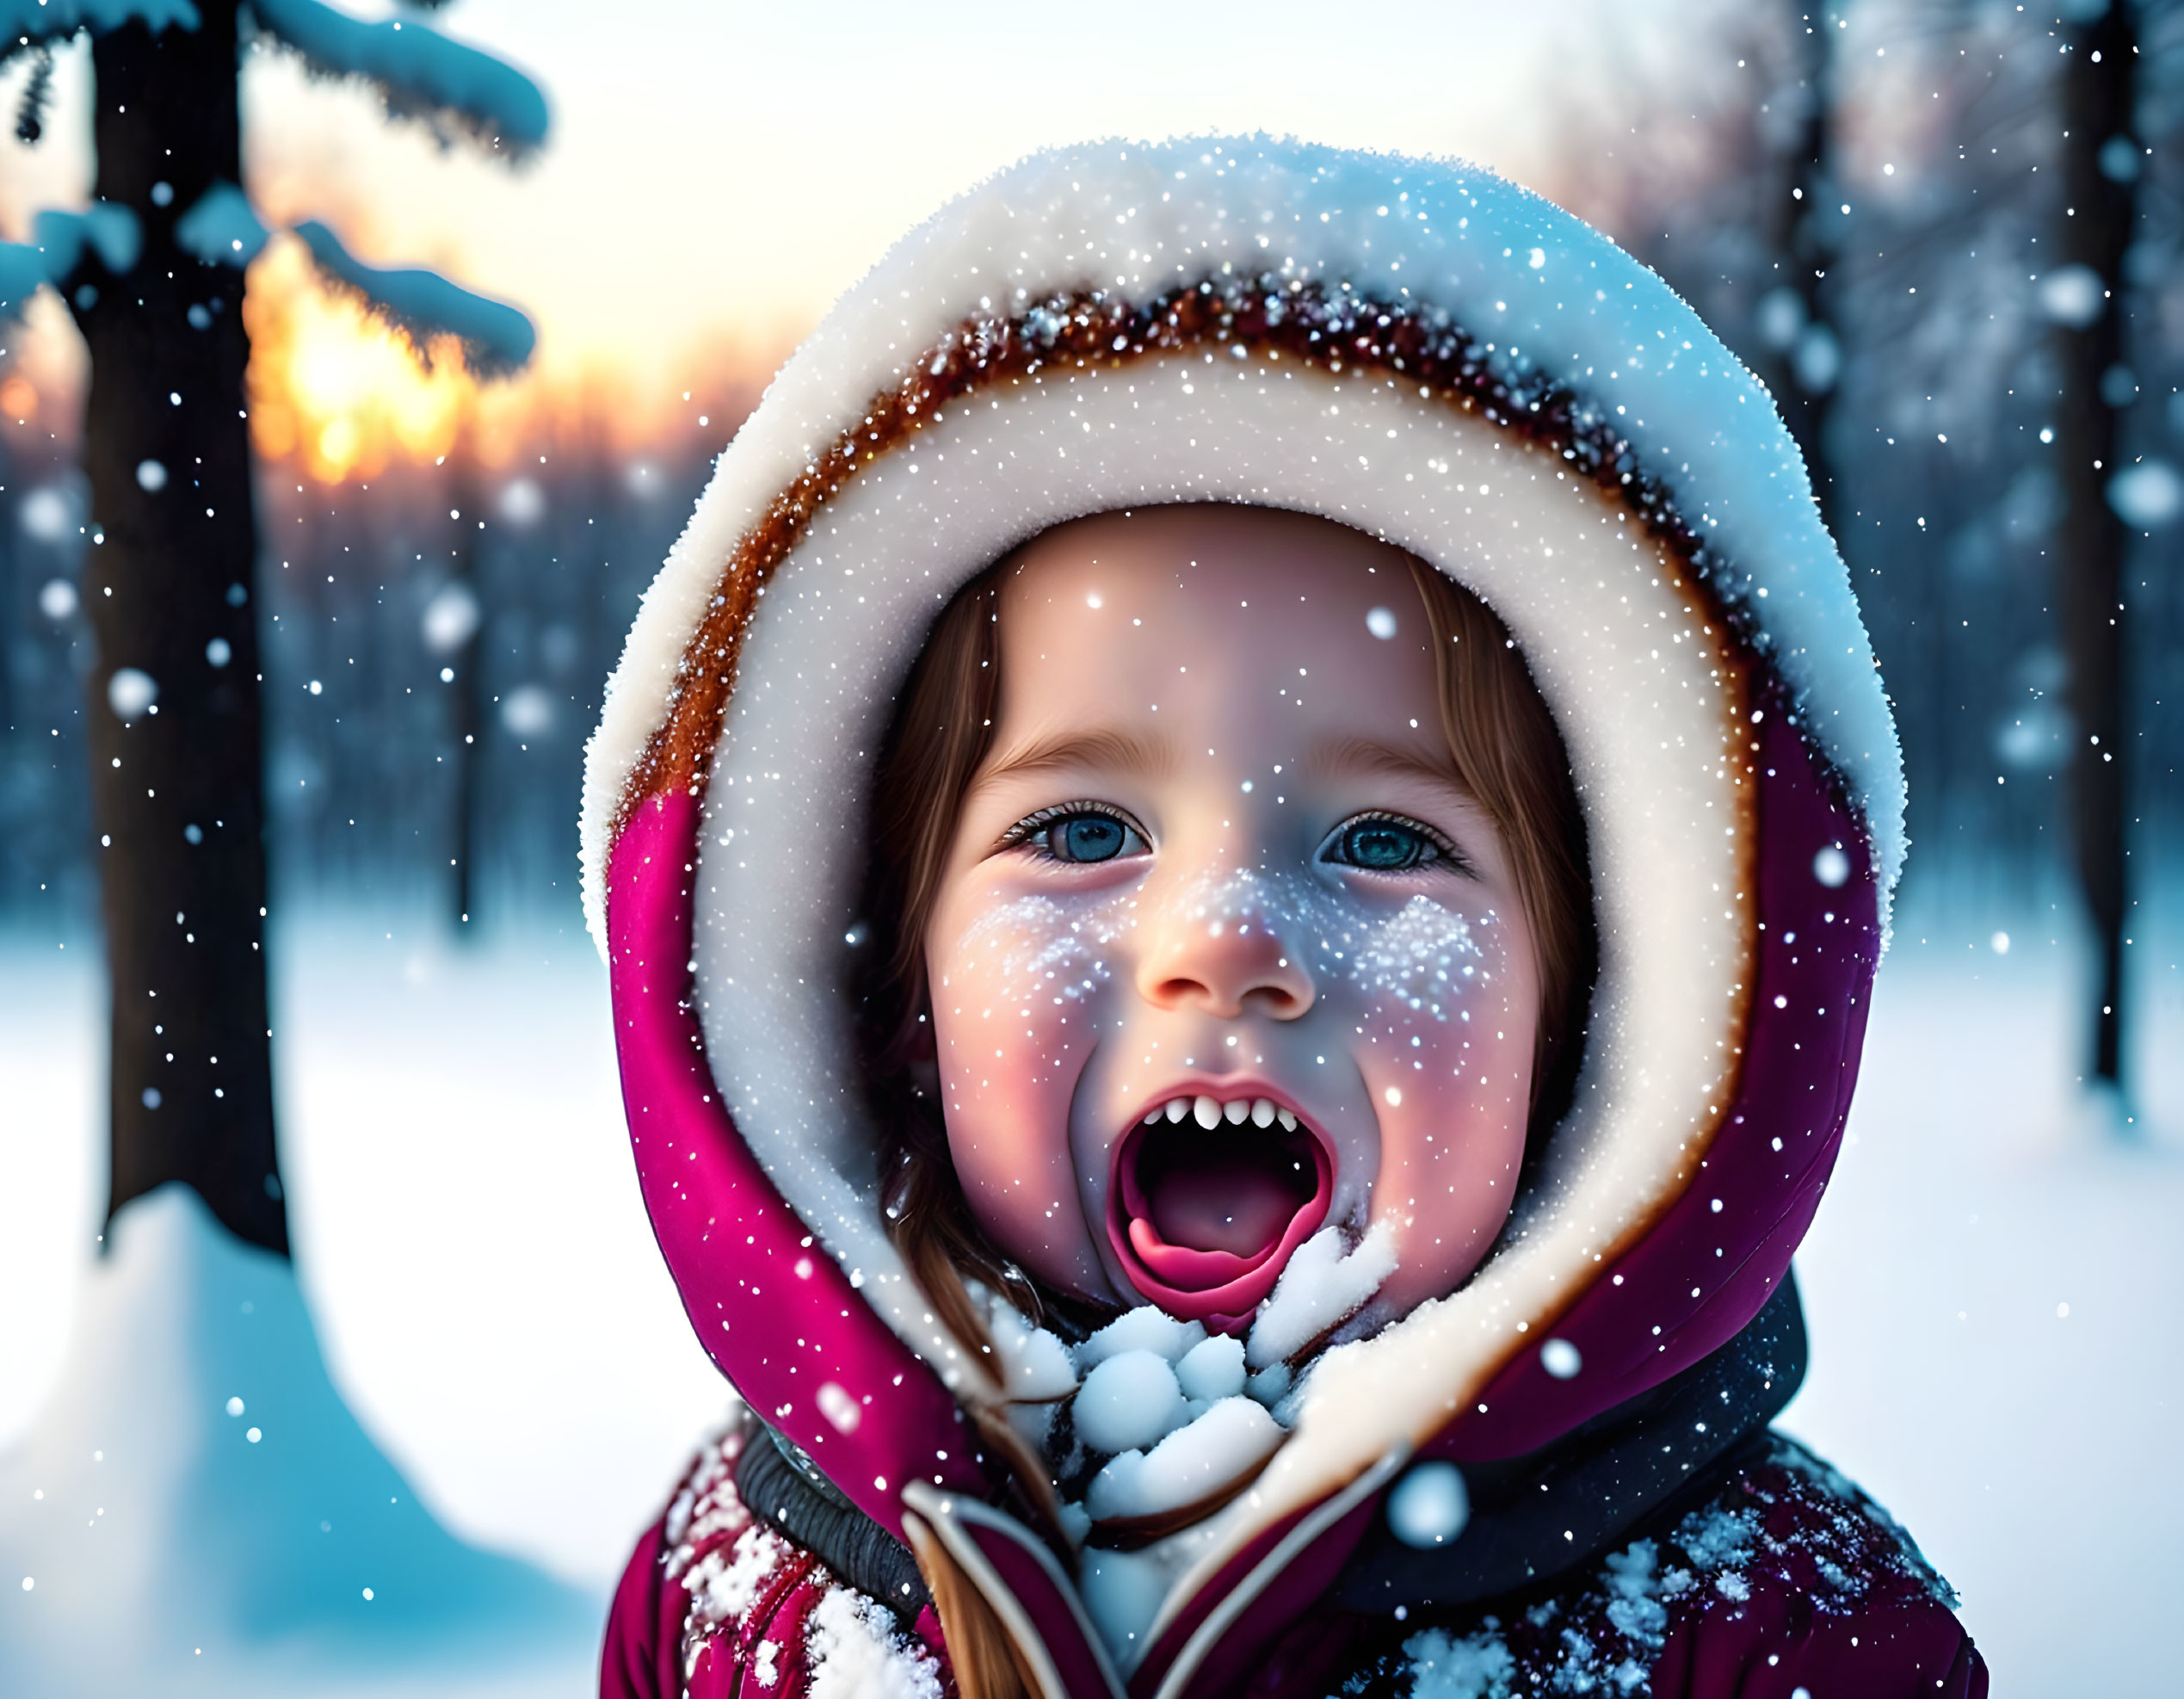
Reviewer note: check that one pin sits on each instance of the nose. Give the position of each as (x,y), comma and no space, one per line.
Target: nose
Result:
(1224,965)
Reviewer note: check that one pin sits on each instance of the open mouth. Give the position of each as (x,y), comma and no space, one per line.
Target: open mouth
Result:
(1211,1197)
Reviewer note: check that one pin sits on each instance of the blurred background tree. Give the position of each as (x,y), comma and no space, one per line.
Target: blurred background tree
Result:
(175,735)
(1875,202)
(2101,161)
(1948,236)
(168,611)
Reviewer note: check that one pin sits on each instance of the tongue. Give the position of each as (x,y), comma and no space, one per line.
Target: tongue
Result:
(1241,1207)
(1204,1219)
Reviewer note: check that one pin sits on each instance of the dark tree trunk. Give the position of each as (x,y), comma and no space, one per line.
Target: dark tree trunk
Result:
(2097,100)
(467,752)
(13,595)
(1808,236)
(176,793)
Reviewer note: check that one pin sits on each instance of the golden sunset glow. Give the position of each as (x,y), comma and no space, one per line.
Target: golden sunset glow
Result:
(339,395)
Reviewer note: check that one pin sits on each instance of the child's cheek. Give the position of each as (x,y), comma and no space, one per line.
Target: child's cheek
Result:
(1448,1063)
(1013,1012)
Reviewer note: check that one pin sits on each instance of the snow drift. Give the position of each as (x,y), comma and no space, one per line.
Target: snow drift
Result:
(195,1509)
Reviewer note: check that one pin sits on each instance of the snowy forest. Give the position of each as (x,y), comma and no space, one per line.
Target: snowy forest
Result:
(1873,207)
(1947,234)
(515,580)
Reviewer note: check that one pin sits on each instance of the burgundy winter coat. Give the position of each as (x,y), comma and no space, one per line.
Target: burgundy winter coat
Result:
(1777,1576)
(1670,1544)
(1365,338)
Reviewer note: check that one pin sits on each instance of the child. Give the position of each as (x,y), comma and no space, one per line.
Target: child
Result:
(1241,857)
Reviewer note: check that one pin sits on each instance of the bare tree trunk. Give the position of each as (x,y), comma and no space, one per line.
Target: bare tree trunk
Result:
(1812,361)
(175,788)
(13,595)
(469,715)
(2097,108)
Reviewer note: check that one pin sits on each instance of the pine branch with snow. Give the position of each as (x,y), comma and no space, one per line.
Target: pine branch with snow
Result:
(26,24)
(57,244)
(23,267)
(495,338)
(420,73)
(37,92)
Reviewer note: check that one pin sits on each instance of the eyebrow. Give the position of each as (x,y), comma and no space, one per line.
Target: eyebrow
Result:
(1124,751)
(1350,754)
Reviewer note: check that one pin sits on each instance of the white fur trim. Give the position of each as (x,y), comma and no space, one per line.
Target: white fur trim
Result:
(1635,684)
(1138,218)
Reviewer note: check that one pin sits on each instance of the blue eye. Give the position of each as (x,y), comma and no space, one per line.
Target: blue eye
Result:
(1075,834)
(1381,844)
(1086,837)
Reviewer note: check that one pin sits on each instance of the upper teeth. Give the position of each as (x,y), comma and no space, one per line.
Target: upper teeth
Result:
(1210,1112)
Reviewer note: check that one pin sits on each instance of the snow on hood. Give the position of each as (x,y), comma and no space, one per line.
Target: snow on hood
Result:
(1389,343)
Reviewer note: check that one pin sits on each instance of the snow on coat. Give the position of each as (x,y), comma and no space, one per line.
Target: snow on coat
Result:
(1385,343)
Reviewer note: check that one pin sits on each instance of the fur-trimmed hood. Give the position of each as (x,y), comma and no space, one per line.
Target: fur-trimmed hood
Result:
(1405,347)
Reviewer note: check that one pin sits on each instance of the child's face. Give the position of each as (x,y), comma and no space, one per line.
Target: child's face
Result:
(1216,857)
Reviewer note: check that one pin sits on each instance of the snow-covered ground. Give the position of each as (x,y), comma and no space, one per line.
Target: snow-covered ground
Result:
(469,1239)
(490,1304)
(1993,1287)
(196,1510)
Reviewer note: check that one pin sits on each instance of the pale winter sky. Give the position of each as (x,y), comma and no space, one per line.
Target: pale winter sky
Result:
(720,170)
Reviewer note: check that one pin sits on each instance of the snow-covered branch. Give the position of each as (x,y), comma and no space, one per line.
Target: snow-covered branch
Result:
(23,267)
(422,73)
(27,23)
(495,338)
(222,228)
(57,244)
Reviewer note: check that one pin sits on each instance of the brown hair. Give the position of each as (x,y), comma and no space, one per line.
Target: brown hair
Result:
(1505,751)
(1507,755)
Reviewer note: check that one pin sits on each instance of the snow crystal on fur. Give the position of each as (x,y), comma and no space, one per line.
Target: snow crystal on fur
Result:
(1789,1526)
(1476,1666)
(856,1652)
(725,1582)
